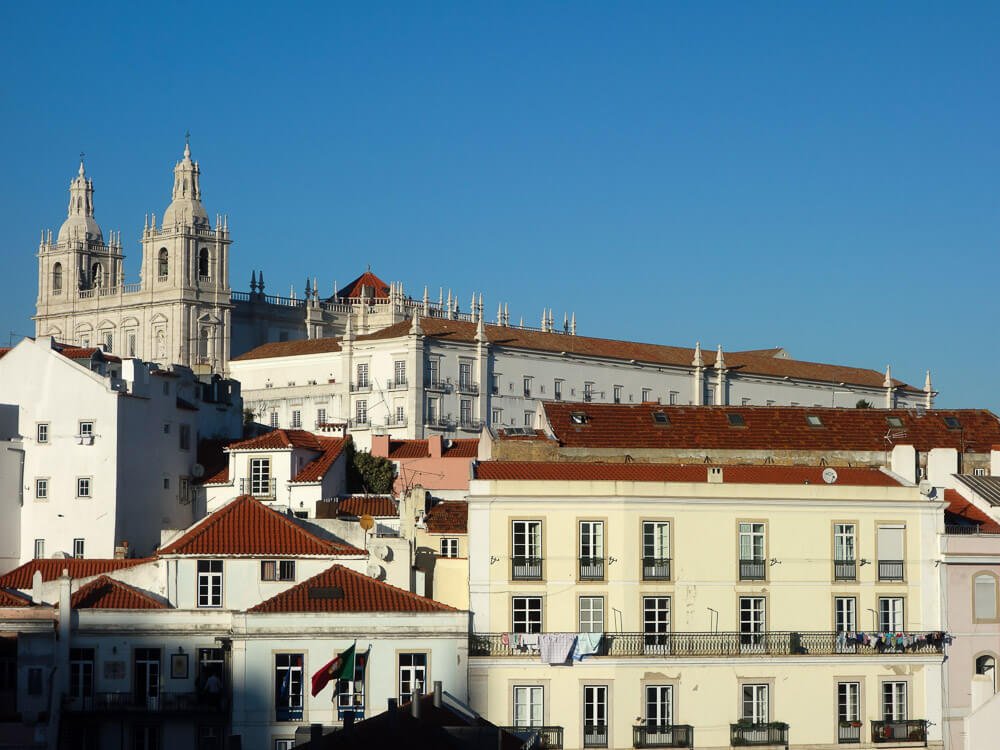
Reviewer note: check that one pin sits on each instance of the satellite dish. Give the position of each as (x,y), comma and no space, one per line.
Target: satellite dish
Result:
(366,522)
(381,551)
(197,471)
(376,571)
(829,475)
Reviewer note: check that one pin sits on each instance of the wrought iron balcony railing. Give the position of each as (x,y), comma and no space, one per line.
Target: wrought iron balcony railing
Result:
(753,570)
(130,702)
(591,568)
(656,568)
(437,385)
(467,387)
(849,733)
(262,489)
(547,738)
(890,570)
(595,735)
(845,570)
(904,730)
(768,733)
(731,644)
(663,735)
(396,385)
(526,568)
(363,387)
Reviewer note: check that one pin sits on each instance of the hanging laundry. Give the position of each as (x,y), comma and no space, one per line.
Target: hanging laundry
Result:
(529,641)
(555,648)
(587,644)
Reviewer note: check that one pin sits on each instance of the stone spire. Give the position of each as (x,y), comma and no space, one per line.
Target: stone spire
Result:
(80,222)
(890,391)
(698,361)
(698,386)
(928,391)
(720,374)
(572,324)
(481,331)
(427,303)
(415,329)
(185,207)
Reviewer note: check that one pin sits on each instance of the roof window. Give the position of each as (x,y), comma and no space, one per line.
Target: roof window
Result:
(578,417)
(736,420)
(952,423)
(894,421)
(814,420)
(660,417)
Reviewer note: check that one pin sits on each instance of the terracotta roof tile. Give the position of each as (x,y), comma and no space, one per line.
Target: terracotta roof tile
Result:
(505,433)
(448,517)
(767,428)
(353,289)
(13,598)
(107,593)
(279,439)
(52,568)
(4,350)
(462,448)
(379,507)
(247,527)
(315,470)
(964,510)
(458,448)
(339,589)
(621,472)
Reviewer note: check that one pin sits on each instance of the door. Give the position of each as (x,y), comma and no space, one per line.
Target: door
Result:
(656,624)
(752,623)
(147,677)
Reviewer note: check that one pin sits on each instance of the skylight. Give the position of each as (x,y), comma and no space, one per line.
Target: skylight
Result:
(578,417)
(894,421)
(736,420)
(814,420)
(660,418)
(953,423)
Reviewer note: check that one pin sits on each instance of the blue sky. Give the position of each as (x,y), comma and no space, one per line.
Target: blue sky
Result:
(817,176)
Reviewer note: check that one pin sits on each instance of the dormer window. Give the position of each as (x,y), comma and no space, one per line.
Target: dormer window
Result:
(736,420)
(952,423)
(578,417)
(661,418)
(814,420)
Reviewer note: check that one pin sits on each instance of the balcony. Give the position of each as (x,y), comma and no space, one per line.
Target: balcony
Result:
(769,733)
(467,387)
(359,423)
(548,738)
(595,735)
(890,570)
(363,387)
(440,423)
(288,713)
(131,703)
(845,570)
(732,644)
(262,489)
(656,568)
(904,730)
(526,568)
(399,384)
(663,735)
(433,384)
(849,733)
(753,570)
(591,568)
(470,425)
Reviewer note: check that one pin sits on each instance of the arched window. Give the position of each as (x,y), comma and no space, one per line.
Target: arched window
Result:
(57,278)
(984,594)
(985,664)
(163,263)
(203,263)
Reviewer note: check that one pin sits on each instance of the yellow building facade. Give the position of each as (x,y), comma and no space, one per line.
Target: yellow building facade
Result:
(640,606)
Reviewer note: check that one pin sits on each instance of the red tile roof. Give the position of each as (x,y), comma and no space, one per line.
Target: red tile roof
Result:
(621,472)
(506,434)
(624,426)
(107,593)
(459,448)
(315,470)
(278,440)
(379,507)
(448,517)
(339,589)
(52,568)
(4,350)
(13,598)
(959,506)
(247,527)
(329,448)
(367,279)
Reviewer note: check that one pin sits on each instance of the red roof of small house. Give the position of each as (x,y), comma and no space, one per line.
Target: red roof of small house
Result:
(458,448)
(448,517)
(622,472)
(52,568)
(108,593)
(316,469)
(367,279)
(279,440)
(245,526)
(962,508)
(214,461)
(624,426)
(378,507)
(13,599)
(339,589)
(4,350)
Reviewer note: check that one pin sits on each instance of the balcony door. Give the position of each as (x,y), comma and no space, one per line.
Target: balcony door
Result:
(528,706)
(146,673)
(752,623)
(659,706)
(755,704)
(656,624)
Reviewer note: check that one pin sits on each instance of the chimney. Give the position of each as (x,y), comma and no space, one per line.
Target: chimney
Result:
(415,705)
(437,693)
(434,446)
(903,461)
(380,445)
(316,732)
(715,475)
(348,721)
(36,587)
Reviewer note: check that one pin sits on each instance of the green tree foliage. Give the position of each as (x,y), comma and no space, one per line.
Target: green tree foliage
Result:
(368,473)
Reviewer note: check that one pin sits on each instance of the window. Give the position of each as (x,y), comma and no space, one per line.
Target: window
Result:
(591,614)
(528,706)
(526,614)
(78,548)
(618,394)
(42,432)
(260,477)
(203,263)
(588,391)
(86,429)
(39,549)
(526,550)
(57,278)
(894,701)
(432,411)
(890,614)
(752,565)
(752,622)
(163,263)
(495,383)
(296,419)
(673,397)
(755,704)
(284,744)
(595,716)
(210,583)
(844,551)
(813,420)
(130,348)
(81,672)
(433,371)
(655,550)
(412,675)
(497,416)
(659,705)
(952,423)
(320,416)
(351,693)
(184,489)
(660,417)
(288,687)
(592,550)
(400,415)
(361,411)
(557,389)
(849,711)
(83,487)
(166,483)
(890,552)
(529,418)
(985,594)
(109,340)
(979,471)
(647,394)
(527,386)
(185,437)
(465,411)
(362,370)
(736,420)
(42,489)
(399,371)
(277,570)
(655,623)
(449,547)
(274,419)
(211,661)
(464,375)
(845,614)
(166,428)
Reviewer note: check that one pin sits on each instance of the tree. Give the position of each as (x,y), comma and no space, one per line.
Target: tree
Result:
(368,473)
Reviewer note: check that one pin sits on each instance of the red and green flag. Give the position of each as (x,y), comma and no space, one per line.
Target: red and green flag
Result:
(341,667)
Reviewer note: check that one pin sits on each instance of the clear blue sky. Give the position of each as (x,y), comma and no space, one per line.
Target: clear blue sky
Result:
(819,176)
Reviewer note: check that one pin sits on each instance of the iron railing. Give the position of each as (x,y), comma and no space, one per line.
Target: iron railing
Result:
(845,570)
(591,568)
(437,385)
(362,387)
(540,738)
(259,488)
(768,733)
(663,735)
(890,570)
(469,388)
(904,730)
(470,424)
(396,385)
(160,703)
(849,733)
(752,570)
(526,568)
(967,530)
(785,643)
(595,735)
(656,568)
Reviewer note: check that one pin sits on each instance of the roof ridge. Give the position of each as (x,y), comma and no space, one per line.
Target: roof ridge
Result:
(105,580)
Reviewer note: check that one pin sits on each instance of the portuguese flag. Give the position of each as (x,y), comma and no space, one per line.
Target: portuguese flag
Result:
(341,667)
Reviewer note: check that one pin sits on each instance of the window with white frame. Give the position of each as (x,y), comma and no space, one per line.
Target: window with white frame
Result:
(83,487)
(894,700)
(400,414)
(845,614)
(844,542)
(595,715)
(185,437)
(592,543)
(591,614)
(527,386)
(351,693)
(274,420)
(277,570)
(86,429)
(672,397)
(755,703)
(465,411)
(659,705)
(433,371)
(890,540)
(39,549)
(890,614)
(42,489)
(529,419)
(464,375)
(362,370)
(526,614)
(529,707)
(210,583)
(361,411)
(449,547)
(985,596)
(655,549)
(78,548)
(557,387)
(412,675)
(81,672)
(288,687)
(526,542)
(42,432)
(296,419)
(752,542)
(849,701)
(495,383)
(320,416)
(432,411)
(399,372)
(497,416)
(588,391)
(752,622)
(260,477)
(647,394)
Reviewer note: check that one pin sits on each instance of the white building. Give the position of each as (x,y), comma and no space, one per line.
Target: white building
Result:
(104,449)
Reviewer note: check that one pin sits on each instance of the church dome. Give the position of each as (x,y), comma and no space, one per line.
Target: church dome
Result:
(80,223)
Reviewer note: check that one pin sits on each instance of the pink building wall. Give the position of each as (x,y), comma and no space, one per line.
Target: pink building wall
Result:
(444,467)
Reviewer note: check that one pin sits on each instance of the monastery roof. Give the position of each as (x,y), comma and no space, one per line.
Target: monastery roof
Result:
(458,448)
(339,589)
(758,362)
(623,426)
(688,473)
(13,599)
(962,509)
(448,517)
(378,507)
(367,279)
(108,593)
(245,526)
(52,568)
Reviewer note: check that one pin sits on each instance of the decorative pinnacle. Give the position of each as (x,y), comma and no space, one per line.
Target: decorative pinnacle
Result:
(187,144)
(81,172)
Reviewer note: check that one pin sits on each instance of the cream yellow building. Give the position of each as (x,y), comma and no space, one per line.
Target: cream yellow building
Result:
(720,606)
